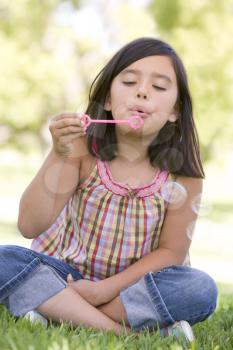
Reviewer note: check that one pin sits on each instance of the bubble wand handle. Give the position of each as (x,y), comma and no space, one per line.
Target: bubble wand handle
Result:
(135,121)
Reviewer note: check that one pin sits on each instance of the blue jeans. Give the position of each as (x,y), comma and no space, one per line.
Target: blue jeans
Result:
(28,278)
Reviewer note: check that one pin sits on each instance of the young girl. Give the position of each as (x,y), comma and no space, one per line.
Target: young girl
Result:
(112,208)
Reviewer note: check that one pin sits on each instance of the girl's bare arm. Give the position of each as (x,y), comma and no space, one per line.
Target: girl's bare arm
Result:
(56,180)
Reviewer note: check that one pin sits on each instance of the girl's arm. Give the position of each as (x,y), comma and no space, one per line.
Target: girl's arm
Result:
(173,246)
(57,179)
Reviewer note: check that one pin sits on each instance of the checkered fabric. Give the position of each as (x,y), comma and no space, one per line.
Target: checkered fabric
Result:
(106,226)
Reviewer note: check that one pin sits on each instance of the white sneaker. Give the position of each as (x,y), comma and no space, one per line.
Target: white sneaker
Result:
(179,329)
(35,316)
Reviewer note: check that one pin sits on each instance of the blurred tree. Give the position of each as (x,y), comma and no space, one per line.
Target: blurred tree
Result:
(201,31)
(37,61)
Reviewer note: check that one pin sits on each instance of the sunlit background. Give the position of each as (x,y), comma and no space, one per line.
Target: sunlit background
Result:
(50,51)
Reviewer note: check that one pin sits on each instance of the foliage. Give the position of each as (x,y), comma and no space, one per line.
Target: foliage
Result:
(201,32)
(37,62)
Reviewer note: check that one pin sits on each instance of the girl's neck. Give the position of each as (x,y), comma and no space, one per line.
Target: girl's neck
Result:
(132,160)
(132,150)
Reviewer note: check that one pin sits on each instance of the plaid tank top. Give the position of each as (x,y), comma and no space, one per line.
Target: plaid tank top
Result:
(106,226)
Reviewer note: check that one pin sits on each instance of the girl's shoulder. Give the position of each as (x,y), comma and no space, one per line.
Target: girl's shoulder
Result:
(191,184)
(189,181)
(192,189)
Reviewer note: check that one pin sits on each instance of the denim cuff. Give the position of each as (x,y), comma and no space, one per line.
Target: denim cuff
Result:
(43,283)
(144,305)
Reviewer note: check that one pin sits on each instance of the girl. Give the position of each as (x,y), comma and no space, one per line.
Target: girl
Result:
(112,207)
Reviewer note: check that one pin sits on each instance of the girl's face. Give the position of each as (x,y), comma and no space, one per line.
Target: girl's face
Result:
(147,87)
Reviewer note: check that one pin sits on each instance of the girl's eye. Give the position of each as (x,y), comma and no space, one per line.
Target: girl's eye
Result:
(159,88)
(128,82)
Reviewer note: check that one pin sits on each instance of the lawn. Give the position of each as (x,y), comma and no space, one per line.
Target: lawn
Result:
(216,333)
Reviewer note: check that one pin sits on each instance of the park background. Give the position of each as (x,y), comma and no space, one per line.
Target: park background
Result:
(50,51)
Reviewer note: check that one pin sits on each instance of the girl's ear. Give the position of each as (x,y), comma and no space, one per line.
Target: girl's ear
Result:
(107,104)
(173,117)
(175,113)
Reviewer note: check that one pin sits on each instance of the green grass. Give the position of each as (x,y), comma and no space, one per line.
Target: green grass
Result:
(216,333)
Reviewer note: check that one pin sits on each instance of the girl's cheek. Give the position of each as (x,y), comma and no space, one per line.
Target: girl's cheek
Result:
(118,110)
(173,96)
(169,100)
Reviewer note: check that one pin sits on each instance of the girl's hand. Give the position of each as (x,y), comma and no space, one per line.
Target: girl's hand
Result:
(93,292)
(65,128)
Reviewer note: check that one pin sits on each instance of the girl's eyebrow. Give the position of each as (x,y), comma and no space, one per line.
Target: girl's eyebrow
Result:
(154,74)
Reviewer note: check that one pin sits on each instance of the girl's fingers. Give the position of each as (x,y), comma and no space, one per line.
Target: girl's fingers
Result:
(63,120)
(66,115)
(68,130)
(69,121)
(65,128)
(64,123)
(69,138)
(70,278)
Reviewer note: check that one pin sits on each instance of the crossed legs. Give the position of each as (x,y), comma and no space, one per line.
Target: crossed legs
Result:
(69,306)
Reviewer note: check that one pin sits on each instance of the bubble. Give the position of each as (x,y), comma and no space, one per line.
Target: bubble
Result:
(201,206)
(50,177)
(174,193)
(190,230)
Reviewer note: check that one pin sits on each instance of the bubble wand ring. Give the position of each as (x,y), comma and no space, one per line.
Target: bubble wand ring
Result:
(86,120)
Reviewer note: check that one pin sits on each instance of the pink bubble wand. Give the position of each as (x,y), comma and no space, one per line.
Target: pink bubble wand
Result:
(135,121)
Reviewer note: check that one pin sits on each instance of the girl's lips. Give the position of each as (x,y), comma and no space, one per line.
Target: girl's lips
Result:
(140,113)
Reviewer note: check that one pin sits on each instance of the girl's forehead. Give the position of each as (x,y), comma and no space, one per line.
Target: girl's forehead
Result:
(153,65)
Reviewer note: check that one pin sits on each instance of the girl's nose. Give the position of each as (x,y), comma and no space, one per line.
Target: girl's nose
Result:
(142,95)
(142,92)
